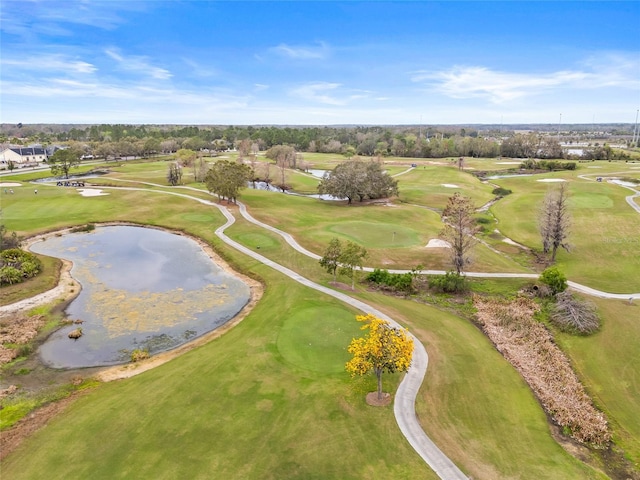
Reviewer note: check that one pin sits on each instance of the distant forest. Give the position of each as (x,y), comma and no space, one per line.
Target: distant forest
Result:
(419,141)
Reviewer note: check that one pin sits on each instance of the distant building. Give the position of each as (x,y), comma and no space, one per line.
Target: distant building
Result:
(22,156)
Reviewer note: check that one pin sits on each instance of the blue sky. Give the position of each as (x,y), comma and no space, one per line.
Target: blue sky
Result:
(320,63)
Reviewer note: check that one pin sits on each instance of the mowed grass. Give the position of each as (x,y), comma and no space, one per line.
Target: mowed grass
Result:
(475,406)
(433,185)
(604,235)
(608,363)
(395,236)
(257,400)
(260,402)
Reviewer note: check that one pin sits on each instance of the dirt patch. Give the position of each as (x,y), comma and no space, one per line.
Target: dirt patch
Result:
(374,401)
(341,286)
(12,438)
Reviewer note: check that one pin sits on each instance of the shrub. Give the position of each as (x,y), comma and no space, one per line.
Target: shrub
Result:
(401,282)
(574,315)
(16,265)
(10,275)
(501,192)
(138,355)
(554,279)
(450,282)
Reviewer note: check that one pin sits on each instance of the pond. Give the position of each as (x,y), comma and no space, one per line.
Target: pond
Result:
(142,288)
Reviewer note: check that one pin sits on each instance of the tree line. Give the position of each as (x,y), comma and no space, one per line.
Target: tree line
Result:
(120,140)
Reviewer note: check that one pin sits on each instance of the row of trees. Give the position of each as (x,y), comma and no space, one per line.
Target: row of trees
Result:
(404,141)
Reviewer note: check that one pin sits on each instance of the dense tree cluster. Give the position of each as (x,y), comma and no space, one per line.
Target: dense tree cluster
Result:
(360,180)
(226,178)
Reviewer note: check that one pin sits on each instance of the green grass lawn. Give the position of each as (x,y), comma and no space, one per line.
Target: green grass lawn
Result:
(604,235)
(608,363)
(475,406)
(270,399)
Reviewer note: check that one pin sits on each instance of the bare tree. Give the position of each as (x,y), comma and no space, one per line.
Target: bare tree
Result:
(555,220)
(459,230)
(174,175)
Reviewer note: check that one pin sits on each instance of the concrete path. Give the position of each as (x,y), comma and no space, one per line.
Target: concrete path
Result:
(404,404)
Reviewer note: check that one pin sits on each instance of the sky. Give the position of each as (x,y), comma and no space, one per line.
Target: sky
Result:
(319,63)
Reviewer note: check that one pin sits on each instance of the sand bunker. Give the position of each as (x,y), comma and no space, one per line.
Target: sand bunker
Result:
(10,184)
(450,185)
(437,243)
(91,192)
(508,163)
(552,180)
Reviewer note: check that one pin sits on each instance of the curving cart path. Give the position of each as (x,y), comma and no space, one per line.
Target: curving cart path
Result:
(404,403)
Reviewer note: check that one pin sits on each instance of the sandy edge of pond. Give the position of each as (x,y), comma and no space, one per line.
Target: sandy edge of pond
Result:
(68,288)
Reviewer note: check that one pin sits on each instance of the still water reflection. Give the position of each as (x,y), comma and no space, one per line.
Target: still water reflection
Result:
(141,289)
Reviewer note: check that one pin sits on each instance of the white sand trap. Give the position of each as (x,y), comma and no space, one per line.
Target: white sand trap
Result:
(10,184)
(437,243)
(548,180)
(450,185)
(91,192)
(508,163)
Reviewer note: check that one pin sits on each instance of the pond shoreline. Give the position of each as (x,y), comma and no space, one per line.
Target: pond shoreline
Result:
(68,288)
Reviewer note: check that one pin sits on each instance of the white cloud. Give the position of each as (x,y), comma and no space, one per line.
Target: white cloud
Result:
(138,64)
(500,86)
(328,93)
(54,62)
(258,87)
(317,92)
(300,52)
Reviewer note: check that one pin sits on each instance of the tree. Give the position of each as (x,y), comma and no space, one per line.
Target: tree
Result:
(330,260)
(8,240)
(358,179)
(351,258)
(459,230)
(186,157)
(225,178)
(554,279)
(555,220)
(174,176)
(382,349)
(63,160)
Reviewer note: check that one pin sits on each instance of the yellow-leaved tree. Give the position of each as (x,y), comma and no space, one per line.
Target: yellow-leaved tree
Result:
(383,349)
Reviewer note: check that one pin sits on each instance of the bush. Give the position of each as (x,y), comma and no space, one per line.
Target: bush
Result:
(10,275)
(450,282)
(554,279)
(17,265)
(401,282)
(138,355)
(574,315)
(501,192)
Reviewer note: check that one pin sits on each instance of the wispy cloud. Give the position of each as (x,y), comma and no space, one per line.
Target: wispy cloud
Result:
(328,93)
(500,86)
(199,70)
(55,62)
(138,64)
(46,18)
(302,52)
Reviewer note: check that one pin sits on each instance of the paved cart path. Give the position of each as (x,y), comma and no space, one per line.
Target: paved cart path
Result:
(404,403)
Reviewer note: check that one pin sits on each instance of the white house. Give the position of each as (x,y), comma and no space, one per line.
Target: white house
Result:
(22,156)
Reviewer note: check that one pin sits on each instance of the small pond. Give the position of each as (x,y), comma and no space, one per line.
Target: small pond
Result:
(142,288)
